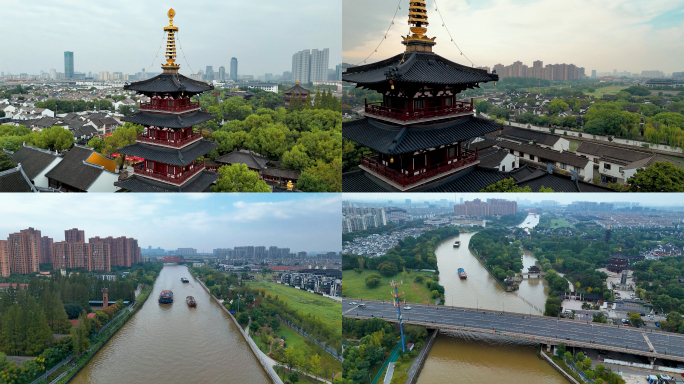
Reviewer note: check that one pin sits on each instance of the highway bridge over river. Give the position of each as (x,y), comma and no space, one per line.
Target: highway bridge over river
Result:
(544,330)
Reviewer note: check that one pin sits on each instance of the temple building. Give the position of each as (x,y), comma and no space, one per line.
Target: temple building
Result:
(618,263)
(297,92)
(169,146)
(419,128)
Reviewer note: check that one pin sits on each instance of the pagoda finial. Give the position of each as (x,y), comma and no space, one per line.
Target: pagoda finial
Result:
(419,20)
(297,81)
(171,65)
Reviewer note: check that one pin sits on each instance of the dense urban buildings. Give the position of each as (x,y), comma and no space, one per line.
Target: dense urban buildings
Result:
(362,218)
(491,207)
(186,251)
(91,256)
(24,251)
(539,71)
(124,251)
(4,259)
(74,236)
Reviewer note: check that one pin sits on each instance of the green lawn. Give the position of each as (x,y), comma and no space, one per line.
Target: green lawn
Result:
(296,340)
(326,309)
(612,90)
(355,287)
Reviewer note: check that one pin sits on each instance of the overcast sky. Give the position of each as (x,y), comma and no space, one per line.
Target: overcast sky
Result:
(124,35)
(302,222)
(632,35)
(645,199)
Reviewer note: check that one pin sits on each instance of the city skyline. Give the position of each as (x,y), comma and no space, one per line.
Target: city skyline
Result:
(307,223)
(630,35)
(650,199)
(133,30)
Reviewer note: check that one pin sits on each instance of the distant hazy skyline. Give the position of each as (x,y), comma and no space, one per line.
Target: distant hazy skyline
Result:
(644,199)
(302,222)
(629,35)
(124,36)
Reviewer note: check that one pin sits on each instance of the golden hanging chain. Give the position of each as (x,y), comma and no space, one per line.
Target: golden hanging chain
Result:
(157,55)
(183,52)
(386,32)
(451,37)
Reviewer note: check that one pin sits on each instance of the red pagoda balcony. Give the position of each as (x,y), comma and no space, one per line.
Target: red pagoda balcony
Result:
(145,138)
(178,179)
(406,116)
(420,176)
(149,107)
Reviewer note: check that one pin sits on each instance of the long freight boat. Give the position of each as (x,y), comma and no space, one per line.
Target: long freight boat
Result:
(462,274)
(190,301)
(166,297)
(457,244)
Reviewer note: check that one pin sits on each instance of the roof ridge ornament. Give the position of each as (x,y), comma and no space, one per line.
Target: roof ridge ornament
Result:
(419,19)
(171,66)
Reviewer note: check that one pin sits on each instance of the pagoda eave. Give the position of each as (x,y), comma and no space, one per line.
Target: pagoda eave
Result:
(162,119)
(199,183)
(178,157)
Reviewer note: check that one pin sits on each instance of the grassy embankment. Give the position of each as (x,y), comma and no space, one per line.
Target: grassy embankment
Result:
(556,223)
(355,287)
(612,90)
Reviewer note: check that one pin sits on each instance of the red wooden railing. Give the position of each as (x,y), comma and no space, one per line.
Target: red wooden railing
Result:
(425,173)
(173,143)
(192,170)
(377,109)
(165,108)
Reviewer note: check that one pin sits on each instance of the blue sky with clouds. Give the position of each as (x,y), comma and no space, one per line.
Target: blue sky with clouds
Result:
(630,35)
(303,222)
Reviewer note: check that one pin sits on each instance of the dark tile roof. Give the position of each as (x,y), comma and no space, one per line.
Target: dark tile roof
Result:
(74,171)
(169,121)
(297,90)
(482,144)
(169,83)
(473,179)
(360,181)
(545,153)
(199,183)
(390,139)
(492,157)
(291,174)
(423,68)
(611,152)
(15,180)
(33,160)
(179,157)
(559,183)
(527,135)
(251,160)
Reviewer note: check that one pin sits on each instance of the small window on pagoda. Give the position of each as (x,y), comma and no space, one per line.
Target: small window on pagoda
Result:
(418,104)
(171,169)
(448,101)
(170,103)
(171,135)
(150,164)
(452,152)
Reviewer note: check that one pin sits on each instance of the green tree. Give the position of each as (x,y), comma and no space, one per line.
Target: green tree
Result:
(599,317)
(97,144)
(659,177)
(506,185)
(635,319)
(6,161)
(552,307)
(296,158)
(388,269)
(239,178)
(373,280)
(557,106)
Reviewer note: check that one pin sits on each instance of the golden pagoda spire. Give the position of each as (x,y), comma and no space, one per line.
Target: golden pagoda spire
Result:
(171,65)
(419,20)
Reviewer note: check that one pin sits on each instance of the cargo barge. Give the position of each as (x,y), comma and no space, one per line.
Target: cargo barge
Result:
(166,297)
(457,244)
(462,274)
(191,301)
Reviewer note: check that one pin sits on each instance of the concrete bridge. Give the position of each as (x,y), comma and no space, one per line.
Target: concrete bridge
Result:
(544,330)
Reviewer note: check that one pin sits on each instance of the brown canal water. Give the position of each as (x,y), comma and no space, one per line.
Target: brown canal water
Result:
(173,343)
(467,358)
(480,289)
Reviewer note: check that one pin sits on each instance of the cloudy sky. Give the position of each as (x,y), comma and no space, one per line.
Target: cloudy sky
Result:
(303,222)
(124,35)
(631,35)
(644,199)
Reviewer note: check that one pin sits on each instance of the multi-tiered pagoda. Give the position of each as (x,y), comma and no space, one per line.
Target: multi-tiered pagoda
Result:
(169,146)
(419,127)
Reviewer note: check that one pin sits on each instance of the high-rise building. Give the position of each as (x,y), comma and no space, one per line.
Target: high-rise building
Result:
(319,65)
(210,72)
(68,65)
(301,66)
(74,236)
(124,251)
(91,256)
(46,249)
(593,73)
(491,207)
(24,251)
(4,259)
(234,69)
(222,73)
(53,74)
(186,251)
